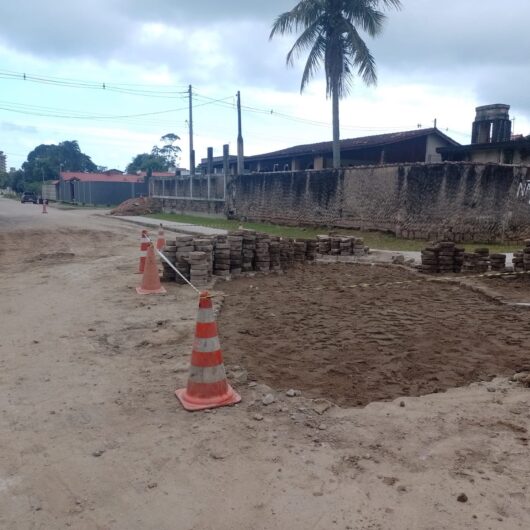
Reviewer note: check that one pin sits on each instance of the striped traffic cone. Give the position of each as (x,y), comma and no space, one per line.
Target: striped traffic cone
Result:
(161,240)
(144,245)
(150,279)
(207,386)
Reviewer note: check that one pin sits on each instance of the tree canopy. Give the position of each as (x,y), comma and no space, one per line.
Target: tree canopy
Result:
(45,161)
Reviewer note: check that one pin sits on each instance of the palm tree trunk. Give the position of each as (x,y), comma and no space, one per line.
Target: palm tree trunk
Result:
(336,130)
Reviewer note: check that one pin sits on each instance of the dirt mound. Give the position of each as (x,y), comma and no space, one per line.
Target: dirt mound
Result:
(137,206)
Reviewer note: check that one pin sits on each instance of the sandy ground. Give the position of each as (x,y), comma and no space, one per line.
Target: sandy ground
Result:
(92,436)
(356,345)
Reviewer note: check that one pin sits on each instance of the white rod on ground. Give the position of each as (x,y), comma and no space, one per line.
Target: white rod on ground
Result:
(161,254)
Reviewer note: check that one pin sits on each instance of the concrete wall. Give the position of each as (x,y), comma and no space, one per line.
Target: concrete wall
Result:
(450,200)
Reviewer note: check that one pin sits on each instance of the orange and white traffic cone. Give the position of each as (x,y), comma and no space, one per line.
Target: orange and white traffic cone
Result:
(144,245)
(207,386)
(161,240)
(150,280)
(44,209)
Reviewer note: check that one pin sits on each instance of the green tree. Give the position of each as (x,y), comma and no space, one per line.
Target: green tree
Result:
(330,32)
(160,159)
(45,161)
(146,162)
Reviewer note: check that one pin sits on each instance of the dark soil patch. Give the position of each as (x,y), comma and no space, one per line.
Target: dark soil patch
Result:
(358,345)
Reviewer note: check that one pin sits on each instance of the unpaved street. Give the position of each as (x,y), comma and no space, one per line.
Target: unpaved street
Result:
(92,436)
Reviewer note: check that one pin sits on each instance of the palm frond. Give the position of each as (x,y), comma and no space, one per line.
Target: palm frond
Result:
(303,14)
(364,14)
(315,56)
(360,56)
(305,41)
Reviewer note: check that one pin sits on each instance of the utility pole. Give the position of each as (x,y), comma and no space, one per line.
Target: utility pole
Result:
(240,156)
(192,152)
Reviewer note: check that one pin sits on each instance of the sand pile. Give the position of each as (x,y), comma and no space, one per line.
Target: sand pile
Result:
(137,206)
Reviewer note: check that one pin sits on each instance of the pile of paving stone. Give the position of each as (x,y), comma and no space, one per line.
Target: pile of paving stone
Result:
(324,244)
(518,261)
(286,253)
(346,246)
(526,255)
(335,245)
(221,257)
(446,257)
(470,263)
(235,241)
(249,250)
(358,247)
(311,249)
(206,245)
(483,262)
(183,247)
(263,256)
(300,249)
(498,262)
(168,273)
(274,248)
(429,259)
(199,268)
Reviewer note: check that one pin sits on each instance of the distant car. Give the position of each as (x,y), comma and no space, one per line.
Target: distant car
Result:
(28,196)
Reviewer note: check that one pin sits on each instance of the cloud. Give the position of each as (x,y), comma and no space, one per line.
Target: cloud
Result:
(13,127)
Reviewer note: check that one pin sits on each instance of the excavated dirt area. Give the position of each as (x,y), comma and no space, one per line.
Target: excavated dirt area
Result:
(308,330)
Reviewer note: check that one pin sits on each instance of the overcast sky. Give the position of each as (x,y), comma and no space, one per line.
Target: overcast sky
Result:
(435,60)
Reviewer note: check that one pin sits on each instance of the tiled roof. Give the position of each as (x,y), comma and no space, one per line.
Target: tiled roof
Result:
(376,140)
(99,177)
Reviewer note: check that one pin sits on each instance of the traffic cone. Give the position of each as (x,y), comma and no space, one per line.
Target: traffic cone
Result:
(144,245)
(161,240)
(150,279)
(207,385)
(44,209)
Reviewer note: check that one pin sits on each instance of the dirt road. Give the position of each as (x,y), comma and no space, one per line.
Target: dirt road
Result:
(92,436)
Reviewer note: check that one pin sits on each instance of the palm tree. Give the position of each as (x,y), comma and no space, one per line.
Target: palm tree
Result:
(330,33)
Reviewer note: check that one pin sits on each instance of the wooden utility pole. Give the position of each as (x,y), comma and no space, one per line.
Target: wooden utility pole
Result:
(240,150)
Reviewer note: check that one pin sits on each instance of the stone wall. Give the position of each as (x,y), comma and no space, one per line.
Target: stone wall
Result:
(456,201)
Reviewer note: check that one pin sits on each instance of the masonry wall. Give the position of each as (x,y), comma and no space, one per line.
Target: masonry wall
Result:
(458,201)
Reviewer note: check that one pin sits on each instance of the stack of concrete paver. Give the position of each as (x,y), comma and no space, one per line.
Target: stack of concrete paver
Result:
(199,266)
(335,245)
(518,261)
(429,259)
(248,250)
(446,257)
(221,257)
(526,255)
(183,247)
(498,262)
(263,256)
(286,253)
(274,248)
(358,247)
(235,241)
(168,274)
(300,248)
(311,249)
(324,244)
(483,262)
(205,245)
(470,263)
(346,246)
(459,259)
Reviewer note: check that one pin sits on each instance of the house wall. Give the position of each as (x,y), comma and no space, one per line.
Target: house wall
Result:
(458,201)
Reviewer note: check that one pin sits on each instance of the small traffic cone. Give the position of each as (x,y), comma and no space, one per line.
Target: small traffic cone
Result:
(207,386)
(144,245)
(44,209)
(161,240)
(150,279)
